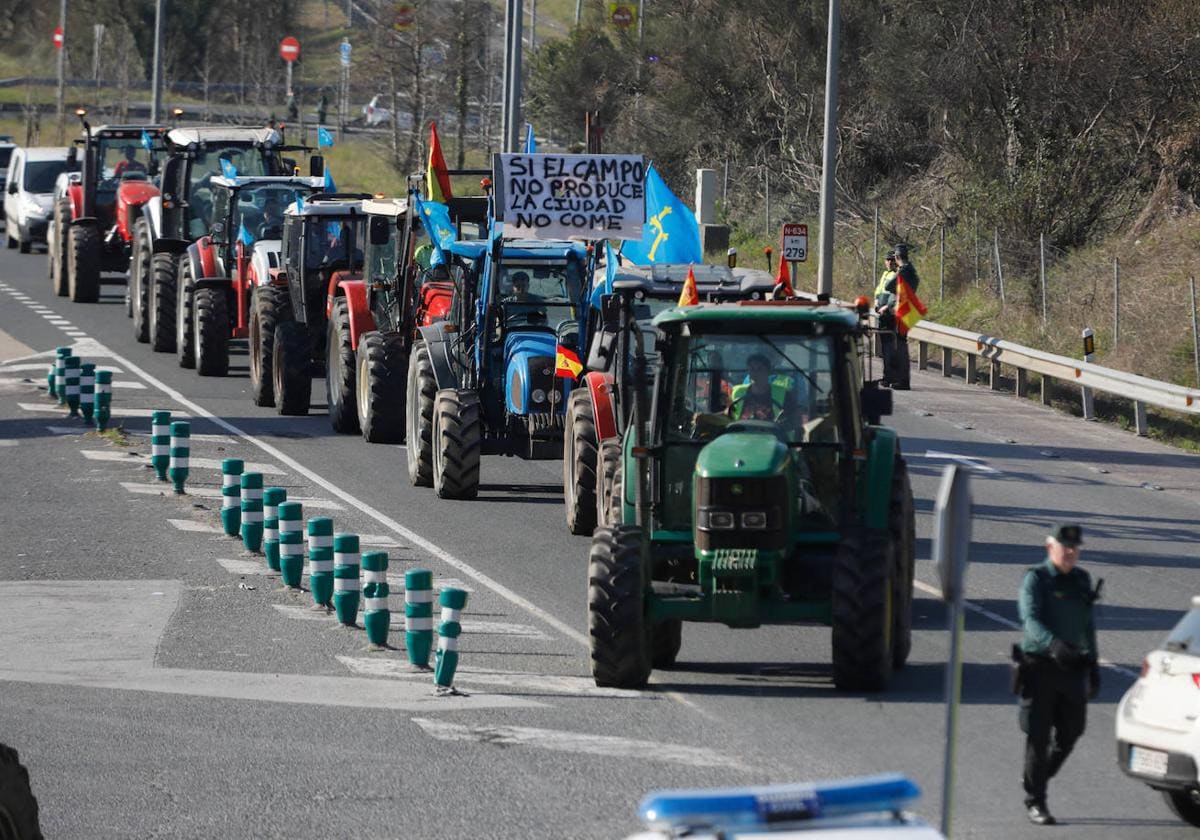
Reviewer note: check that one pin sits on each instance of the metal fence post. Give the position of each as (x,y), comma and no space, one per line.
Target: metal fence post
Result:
(999,268)
(1042,274)
(975,246)
(942,266)
(874,256)
(1116,300)
(1195,331)
(767,201)
(1089,348)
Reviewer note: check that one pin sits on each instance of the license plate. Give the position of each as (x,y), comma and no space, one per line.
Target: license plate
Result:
(1147,762)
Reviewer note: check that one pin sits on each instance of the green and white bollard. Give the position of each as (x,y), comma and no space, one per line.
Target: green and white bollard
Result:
(231,495)
(291,543)
(452,601)
(160,443)
(418,615)
(252,511)
(103,399)
(181,448)
(72,388)
(273,497)
(376,616)
(320,560)
(346,583)
(60,374)
(87,390)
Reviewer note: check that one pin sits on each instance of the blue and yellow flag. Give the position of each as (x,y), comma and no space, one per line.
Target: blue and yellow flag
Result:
(147,141)
(671,234)
(329,186)
(436,218)
(299,201)
(228,169)
(530,142)
(244,236)
(324,138)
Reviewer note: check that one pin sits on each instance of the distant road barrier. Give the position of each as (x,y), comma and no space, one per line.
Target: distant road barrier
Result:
(995,352)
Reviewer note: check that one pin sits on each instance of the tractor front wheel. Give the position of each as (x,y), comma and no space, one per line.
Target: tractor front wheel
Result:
(863,603)
(339,370)
(163,271)
(580,451)
(57,252)
(379,383)
(418,440)
(290,370)
(211,330)
(185,302)
(271,306)
(18,805)
(457,438)
(139,282)
(83,275)
(618,632)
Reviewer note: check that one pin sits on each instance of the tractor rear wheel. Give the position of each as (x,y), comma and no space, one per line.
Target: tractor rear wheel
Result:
(83,264)
(139,282)
(457,435)
(609,497)
(185,302)
(211,330)
(580,451)
(379,383)
(617,627)
(164,270)
(57,253)
(420,394)
(18,805)
(903,534)
(340,368)
(863,595)
(271,305)
(666,637)
(291,374)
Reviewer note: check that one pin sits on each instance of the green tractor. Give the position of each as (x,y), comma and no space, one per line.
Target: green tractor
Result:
(755,486)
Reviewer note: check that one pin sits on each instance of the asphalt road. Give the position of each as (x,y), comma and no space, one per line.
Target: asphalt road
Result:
(158,682)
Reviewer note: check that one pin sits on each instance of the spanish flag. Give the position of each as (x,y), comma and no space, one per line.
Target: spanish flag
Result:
(689,295)
(566,363)
(437,174)
(783,280)
(909,309)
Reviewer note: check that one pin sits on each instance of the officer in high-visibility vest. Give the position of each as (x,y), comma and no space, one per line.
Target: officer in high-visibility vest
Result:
(764,397)
(885,307)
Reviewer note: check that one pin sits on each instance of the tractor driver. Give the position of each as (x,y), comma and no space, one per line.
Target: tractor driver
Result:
(271,226)
(764,397)
(520,290)
(129,164)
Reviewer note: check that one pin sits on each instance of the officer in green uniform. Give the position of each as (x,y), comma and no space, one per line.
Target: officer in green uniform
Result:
(1059,671)
(885,307)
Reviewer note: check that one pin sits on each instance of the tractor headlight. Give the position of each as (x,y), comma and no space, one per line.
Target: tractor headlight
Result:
(555,397)
(718,520)
(754,520)
(538,395)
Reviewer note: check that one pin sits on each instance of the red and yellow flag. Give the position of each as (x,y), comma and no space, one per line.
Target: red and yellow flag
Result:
(689,295)
(566,363)
(909,309)
(437,174)
(783,280)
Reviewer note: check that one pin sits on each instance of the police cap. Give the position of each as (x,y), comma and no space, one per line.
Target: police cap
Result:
(1068,535)
(901,250)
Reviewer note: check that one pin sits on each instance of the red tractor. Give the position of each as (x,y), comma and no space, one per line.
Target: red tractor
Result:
(93,226)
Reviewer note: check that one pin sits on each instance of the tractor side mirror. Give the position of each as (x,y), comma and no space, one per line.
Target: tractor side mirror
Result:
(316,166)
(73,157)
(610,311)
(603,344)
(378,230)
(876,403)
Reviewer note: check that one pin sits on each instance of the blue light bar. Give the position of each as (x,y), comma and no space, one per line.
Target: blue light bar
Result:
(750,806)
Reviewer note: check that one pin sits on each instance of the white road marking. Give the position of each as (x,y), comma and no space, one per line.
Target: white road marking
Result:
(72,430)
(60,322)
(194,463)
(969,461)
(578,742)
(42,368)
(200,491)
(21,380)
(520,682)
(243,567)
(378,541)
(196,527)
(396,583)
(77,334)
(7,442)
(224,440)
(396,605)
(53,408)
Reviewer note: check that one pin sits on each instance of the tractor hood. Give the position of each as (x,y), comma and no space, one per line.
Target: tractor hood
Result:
(743,453)
(529,369)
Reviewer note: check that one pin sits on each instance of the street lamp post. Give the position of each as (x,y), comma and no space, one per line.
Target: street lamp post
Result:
(828,157)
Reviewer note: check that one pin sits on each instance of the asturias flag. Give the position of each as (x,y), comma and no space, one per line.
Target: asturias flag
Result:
(228,169)
(671,234)
(437,174)
(435,216)
(909,309)
(244,236)
(566,363)
(530,143)
(324,138)
(689,295)
(329,186)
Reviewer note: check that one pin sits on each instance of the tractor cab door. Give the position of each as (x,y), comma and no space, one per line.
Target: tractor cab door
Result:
(176,205)
(379,270)
(293,264)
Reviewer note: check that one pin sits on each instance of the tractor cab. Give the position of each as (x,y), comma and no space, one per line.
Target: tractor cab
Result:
(323,244)
(247,215)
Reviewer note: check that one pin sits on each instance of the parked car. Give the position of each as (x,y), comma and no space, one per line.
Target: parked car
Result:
(7,147)
(1158,720)
(29,194)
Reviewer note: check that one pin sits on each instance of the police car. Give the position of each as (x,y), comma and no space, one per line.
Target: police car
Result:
(1158,720)
(846,809)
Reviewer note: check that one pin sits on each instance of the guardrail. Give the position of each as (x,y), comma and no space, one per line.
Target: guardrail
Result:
(995,352)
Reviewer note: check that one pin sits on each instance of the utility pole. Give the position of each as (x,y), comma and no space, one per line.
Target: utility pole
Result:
(513,24)
(578,12)
(532,25)
(825,263)
(59,97)
(157,80)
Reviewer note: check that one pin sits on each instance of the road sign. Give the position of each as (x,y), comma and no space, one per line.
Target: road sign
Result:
(289,49)
(344,49)
(58,37)
(622,15)
(406,17)
(795,242)
(952,530)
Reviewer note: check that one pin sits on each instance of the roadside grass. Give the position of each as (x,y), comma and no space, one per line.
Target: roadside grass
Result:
(116,435)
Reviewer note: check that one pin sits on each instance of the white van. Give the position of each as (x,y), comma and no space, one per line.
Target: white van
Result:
(29,195)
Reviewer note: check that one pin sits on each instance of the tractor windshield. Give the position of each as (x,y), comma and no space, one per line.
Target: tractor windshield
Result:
(538,294)
(122,159)
(258,211)
(207,164)
(331,243)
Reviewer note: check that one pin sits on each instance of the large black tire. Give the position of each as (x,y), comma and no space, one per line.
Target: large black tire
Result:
(83,264)
(902,528)
(580,456)
(270,306)
(18,805)
(211,330)
(617,628)
(419,395)
(163,277)
(185,302)
(57,254)
(140,281)
(25,245)
(1184,804)
(862,608)
(291,372)
(379,383)
(340,368)
(609,497)
(666,637)
(457,439)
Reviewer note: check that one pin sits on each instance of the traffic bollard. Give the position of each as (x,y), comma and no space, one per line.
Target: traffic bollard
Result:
(452,601)
(346,585)
(160,443)
(60,374)
(418,615)
(291,543)
(181,432)
(273,497)
(72,388)
(320,560)
(231,495)
(87,390)
(377,618)
(252,511)
(103,399)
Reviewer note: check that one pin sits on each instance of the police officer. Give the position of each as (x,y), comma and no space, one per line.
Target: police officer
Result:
(907,272)
(1059,671)
(885,306)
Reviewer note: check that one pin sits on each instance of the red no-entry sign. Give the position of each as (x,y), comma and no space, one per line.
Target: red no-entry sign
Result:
(289,49)
(58,37)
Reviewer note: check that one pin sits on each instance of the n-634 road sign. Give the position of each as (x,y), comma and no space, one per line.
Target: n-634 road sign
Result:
(795,242)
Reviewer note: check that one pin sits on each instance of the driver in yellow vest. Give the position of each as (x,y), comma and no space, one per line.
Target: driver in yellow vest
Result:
(764,397)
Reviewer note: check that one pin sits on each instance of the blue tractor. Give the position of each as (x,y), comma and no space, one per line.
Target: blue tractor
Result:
(485,381)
